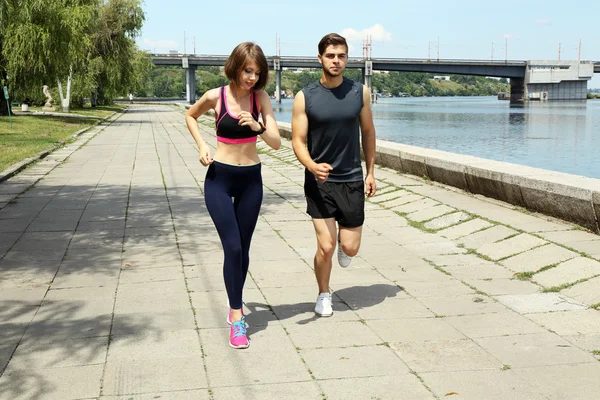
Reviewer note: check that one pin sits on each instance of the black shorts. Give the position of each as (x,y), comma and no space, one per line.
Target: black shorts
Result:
(344,201)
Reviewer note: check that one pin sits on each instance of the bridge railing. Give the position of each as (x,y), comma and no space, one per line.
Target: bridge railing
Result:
(375,60)
(358,59)
(418,60)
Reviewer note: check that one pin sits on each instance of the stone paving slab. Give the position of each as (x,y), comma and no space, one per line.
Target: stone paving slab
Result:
(353,362)
(293,391)
(111,286)
(447,220)
(566,381)
(83,383)
(540,303)
(568,272)
(501,323)
(586,292)
(486,236)
(481,384)
(538,258)
(383,387)
(445,355)
(508,247)
(430,213)
(533,350)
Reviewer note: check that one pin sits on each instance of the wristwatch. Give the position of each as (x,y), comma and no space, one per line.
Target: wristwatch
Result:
(262,129)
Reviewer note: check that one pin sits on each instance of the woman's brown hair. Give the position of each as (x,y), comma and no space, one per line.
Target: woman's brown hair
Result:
(239,59)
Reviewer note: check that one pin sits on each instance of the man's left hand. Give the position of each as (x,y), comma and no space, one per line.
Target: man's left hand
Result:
(370,185)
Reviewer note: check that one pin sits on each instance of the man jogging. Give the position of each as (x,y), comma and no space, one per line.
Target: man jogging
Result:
(326,118)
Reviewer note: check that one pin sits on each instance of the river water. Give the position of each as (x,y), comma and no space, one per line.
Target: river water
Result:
(558,136)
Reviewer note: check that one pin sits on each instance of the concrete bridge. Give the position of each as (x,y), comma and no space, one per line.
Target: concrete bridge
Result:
(544,80)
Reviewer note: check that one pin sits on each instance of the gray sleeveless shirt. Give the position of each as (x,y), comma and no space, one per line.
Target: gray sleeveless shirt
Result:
(334,128)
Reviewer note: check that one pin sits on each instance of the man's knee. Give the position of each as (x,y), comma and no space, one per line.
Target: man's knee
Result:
(326,248)
(350,249)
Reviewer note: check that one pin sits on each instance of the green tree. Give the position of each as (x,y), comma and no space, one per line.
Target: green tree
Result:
(45,41)
(118,23)
(85,42)
(142,65)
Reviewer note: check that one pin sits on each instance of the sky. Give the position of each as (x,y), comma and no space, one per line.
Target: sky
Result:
(464,29)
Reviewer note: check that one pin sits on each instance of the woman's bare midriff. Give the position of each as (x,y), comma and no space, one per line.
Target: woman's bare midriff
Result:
(237,154)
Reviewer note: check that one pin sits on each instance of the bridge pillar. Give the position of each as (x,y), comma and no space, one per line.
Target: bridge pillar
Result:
(190,84)
(517,90)
(278,86)
(277,68)
(367,75)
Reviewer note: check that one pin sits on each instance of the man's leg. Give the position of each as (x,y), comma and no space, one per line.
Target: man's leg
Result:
(351,200)
(325,230)
(350,240)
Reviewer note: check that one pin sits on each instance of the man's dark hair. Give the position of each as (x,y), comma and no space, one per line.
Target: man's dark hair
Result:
(331,39)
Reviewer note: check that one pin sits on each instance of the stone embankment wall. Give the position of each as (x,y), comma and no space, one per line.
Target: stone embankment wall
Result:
(570,197)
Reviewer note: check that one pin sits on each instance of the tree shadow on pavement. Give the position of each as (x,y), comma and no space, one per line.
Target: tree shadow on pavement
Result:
(38,347)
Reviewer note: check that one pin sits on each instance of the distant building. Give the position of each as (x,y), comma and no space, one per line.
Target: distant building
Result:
(441,78)
(293,69)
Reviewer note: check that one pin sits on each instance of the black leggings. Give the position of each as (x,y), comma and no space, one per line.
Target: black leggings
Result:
(233,196)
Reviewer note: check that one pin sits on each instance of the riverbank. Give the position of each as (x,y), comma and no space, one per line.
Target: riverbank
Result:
(556,136)
(569,197)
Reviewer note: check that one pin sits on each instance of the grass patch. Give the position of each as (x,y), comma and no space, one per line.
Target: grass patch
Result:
(568,285)
(547,267)
(580,228)
(596,352)
(524,276)
(99,111)
(595,306)
(482,256)
(554,289)
(506,367)
(420,226)
(442,270)
(31,134)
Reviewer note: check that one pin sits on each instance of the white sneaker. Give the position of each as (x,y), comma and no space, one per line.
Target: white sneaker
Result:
(343,259)
(323,306)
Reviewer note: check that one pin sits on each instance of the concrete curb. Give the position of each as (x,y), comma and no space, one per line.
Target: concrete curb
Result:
(21,165)
(569,197)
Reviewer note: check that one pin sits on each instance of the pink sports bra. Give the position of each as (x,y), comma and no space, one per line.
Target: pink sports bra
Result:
(228,130)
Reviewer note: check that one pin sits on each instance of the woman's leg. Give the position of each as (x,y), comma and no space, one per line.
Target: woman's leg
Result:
(220,207)
(247,208)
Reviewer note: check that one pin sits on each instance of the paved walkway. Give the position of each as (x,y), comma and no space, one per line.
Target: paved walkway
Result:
(111,286)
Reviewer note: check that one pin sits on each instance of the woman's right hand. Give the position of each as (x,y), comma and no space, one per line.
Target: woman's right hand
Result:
(205,155)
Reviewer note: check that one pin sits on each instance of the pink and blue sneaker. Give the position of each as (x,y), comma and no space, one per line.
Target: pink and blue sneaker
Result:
(238,338)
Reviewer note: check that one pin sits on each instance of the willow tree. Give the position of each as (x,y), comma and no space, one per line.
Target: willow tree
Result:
(46,41)
(5,5)
(114,56)
(89,42)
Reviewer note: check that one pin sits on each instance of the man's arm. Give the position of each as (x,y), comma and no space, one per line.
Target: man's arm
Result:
(367,129)
(299,137)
